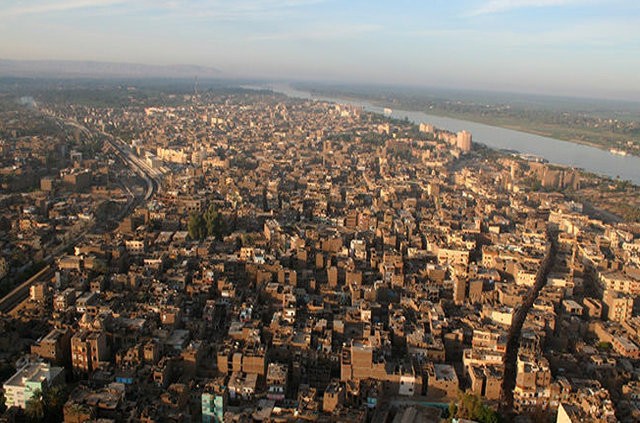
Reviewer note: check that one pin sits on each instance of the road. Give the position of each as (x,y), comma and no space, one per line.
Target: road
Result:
(21,292)
(152,181)
(513,342)
(150,176)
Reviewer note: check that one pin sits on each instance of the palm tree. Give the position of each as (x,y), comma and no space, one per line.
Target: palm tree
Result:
(78,412)
(3,403)
(34,407)
(54,399)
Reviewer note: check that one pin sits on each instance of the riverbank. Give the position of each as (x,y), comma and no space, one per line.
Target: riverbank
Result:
(580,156)
(569,135)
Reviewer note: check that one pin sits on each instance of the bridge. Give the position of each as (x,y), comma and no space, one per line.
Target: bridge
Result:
(21,292)
(152,181)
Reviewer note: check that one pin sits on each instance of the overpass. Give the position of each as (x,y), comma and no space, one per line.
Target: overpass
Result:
(21,292)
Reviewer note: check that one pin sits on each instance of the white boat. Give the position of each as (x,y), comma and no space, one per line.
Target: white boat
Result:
(617,152)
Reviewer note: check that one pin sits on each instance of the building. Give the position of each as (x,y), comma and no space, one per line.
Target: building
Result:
(55,346)
(442,380)
(533,382)
(135,246)
(625,347)
(361,361)
(47,183)
(618,307)
(459,291)
(172,155)
(276,381)
(333,397)
(64,299)
(78,180)
(593,307)
(426,128)
(88,349)
(493,340)
(38,292)
(214,402)
(572,308)
(31,378)
(619,281)
(463,141)
(242,385)
(486,381)
(568,414)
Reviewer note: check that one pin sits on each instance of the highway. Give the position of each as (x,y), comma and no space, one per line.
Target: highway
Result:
(21,292)
(152,182)
(152,177)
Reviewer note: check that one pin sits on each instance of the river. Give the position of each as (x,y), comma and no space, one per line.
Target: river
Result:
(560,152)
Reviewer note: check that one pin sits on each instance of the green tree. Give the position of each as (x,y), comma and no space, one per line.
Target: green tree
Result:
(213,221)
(79,412)
(34,408)
(470,406)
(487,415)
(3,402)
(54,400)
(453,409)
(197,227)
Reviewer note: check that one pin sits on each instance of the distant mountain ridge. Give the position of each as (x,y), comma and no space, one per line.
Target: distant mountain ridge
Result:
(88,69)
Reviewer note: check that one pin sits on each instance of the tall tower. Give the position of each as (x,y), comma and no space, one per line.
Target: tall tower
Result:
(196,95)
(463,141)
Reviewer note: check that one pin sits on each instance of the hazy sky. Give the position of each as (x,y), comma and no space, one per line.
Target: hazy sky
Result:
(576,47)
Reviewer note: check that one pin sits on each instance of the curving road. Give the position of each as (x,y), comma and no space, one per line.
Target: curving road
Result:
(150,176)
(152,181)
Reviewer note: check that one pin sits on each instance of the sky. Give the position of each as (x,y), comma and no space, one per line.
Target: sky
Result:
(585,48)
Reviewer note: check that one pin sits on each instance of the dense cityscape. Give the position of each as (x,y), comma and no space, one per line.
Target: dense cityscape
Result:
(237,255)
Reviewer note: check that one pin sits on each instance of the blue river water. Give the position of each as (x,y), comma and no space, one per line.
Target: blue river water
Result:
(565,153)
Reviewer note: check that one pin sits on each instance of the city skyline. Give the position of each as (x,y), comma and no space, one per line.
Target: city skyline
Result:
(581,48)
(322,211)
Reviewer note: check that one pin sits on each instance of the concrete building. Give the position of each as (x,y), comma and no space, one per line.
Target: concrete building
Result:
(593,307)
(78,180)
(64,299)
(533,382)
(442,380)
(426,128)
(618,307)
(277,381)
(88,349)
(38,292)
(55,346)
(463,141)
(486,380)
(333,397)
(214,402)
(242,385)
(20,387)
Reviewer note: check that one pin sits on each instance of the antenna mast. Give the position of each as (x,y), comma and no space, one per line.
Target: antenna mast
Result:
(195,89)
